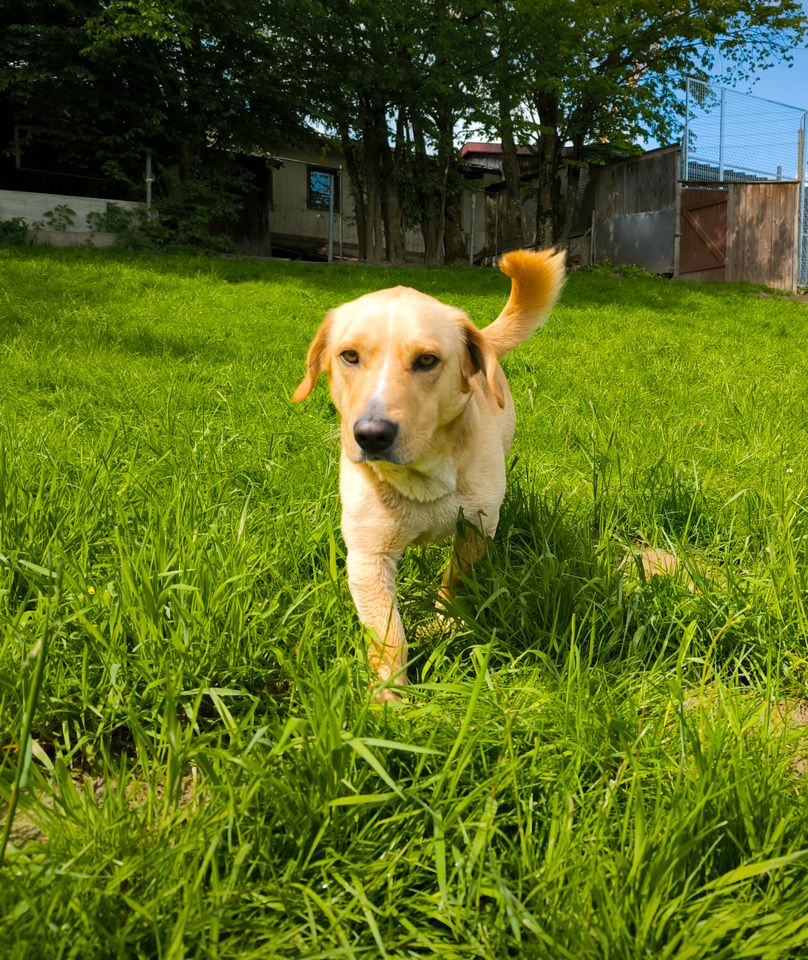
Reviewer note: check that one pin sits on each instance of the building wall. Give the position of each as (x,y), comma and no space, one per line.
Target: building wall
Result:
(291,217)
(638,184)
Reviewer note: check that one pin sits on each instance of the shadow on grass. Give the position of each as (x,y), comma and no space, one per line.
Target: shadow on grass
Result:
(600,287)
(543,578)
(458,280)
(553,587)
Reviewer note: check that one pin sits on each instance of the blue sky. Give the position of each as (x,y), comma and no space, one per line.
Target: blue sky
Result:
(784,83)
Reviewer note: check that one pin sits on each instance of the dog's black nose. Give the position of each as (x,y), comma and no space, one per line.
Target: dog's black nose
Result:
(375,436)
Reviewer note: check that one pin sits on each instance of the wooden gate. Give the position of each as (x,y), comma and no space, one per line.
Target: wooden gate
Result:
(745,231)
(703,240)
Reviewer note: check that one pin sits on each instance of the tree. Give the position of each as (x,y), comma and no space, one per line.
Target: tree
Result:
(583,72)
(196,81)
(191,80)
(392,81)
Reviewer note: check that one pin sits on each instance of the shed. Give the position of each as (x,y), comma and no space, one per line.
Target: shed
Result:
(641,212)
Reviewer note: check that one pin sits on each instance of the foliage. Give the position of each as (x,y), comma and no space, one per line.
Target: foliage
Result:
(404,73)
(589,764)
(13,232)
(102,83)
(612,73)
(59,218)
(115,219)
(194,81)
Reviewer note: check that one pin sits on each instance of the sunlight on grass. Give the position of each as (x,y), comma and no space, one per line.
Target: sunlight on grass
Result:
(597,761)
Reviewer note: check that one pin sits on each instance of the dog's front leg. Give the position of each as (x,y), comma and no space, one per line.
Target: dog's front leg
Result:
(372,582)
(469,547)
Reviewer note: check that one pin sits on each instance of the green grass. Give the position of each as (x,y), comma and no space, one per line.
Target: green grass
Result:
(592,766)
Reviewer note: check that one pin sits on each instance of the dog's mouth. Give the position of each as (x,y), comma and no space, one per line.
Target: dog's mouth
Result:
(388,456)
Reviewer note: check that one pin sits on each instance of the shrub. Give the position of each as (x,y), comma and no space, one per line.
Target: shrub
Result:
(13,232)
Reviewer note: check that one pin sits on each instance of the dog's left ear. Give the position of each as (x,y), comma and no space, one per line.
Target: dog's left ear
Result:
(480,357)
(316,361)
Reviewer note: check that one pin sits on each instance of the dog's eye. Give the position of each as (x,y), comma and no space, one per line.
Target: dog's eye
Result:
(427,361)
(351,357)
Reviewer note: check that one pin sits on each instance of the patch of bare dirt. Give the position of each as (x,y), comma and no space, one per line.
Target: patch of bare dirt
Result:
(650,562)
(27,830)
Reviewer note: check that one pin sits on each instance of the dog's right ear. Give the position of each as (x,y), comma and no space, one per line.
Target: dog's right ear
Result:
(316,361)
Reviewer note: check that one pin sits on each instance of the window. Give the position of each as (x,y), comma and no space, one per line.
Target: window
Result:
(319,187)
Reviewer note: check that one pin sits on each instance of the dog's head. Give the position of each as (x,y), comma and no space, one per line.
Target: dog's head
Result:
(399,365)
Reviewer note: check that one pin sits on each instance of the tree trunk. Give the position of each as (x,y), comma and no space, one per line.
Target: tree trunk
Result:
(574,164)
(431,176)
(375,235)
(550,147)
(357,192)
(391,180)
(512,236)
(454,240)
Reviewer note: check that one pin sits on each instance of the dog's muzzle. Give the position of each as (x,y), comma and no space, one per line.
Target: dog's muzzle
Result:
(375,436)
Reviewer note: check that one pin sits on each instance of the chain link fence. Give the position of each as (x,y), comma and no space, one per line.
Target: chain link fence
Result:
(731,137)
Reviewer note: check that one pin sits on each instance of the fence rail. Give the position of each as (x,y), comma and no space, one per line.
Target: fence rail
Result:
(731,137)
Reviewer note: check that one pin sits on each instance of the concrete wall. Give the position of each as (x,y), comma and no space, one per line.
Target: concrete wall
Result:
(33,207)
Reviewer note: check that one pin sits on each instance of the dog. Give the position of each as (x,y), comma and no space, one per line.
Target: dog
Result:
(427,419)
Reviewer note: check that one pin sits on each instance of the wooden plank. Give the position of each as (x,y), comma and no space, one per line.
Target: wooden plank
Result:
(761,233)
(740,213)
(764,221)
(712,245)
(750,233)
(733,228)
(794,232)
(716,275)
(778,262)
(785,254)
(637,185)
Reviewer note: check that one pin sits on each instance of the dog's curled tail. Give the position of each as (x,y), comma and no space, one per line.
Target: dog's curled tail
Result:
(536,281)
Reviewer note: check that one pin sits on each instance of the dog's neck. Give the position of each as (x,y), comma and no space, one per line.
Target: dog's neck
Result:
(424,482)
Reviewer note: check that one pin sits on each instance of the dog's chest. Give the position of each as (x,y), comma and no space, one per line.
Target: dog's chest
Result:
(436,521)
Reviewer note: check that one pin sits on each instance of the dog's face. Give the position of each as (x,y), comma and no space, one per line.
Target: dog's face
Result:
(399,366)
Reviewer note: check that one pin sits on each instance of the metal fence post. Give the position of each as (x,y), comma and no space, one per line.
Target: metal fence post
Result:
(802,175)
(331,218)
(496,226)
(473,228)
(341,205)
(686,135)
(149,181)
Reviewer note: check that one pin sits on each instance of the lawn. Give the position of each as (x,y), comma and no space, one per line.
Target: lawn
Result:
(595,764)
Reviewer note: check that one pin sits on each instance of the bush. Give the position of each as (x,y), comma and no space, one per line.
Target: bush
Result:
(116,219)
(13,232)
(60,218)
(196,206)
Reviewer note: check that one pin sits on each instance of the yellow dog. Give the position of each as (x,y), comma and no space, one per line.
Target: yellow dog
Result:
(427,419)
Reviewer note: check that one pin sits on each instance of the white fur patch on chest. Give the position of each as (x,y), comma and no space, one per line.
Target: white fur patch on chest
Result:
(423,483)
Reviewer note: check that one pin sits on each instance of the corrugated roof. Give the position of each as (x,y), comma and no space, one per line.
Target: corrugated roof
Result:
(473,148)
